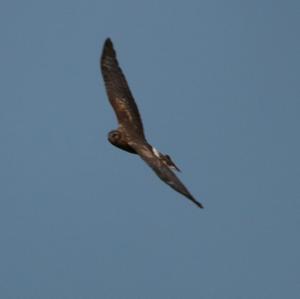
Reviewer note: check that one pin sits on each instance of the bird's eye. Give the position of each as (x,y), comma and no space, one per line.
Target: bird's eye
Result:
(114,135)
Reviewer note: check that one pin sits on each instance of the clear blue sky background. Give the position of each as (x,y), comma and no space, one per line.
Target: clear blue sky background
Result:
(217,83)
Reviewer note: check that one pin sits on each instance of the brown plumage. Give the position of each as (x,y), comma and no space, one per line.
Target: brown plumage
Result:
(130,134)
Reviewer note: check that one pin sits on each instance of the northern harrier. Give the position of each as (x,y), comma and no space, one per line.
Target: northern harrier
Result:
(129,136)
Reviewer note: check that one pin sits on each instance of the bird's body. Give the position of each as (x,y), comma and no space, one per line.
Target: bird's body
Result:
(129,136)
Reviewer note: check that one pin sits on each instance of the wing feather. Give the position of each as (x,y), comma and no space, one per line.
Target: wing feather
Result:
(163,171)
(118,91)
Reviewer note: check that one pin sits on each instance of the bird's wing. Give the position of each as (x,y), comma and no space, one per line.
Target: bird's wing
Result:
(162,170)
(118,91)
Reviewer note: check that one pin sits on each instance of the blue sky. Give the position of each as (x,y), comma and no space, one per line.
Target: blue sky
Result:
(217,84)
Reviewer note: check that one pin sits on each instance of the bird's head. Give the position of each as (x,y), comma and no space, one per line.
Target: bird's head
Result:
(114,137)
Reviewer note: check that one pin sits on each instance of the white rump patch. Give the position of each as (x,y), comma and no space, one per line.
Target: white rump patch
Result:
(156,152)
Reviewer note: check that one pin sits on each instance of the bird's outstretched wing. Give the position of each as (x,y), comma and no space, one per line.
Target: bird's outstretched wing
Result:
(119,93)
(162,170)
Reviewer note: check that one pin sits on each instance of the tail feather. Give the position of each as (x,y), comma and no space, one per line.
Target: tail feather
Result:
(170,163)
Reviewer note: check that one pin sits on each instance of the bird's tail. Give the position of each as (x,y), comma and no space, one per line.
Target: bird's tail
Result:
(167,159)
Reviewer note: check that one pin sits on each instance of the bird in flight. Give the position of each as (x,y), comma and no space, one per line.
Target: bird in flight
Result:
(130,136)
